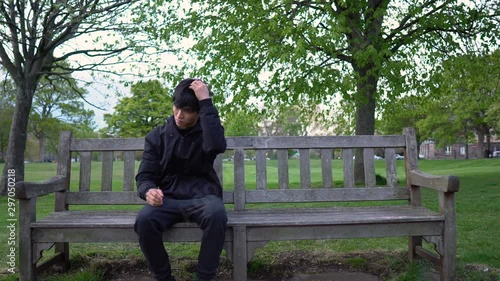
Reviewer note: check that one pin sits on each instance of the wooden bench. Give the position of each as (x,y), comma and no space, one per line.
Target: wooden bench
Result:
(396,210)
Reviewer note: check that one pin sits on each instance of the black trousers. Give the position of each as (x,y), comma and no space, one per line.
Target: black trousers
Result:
(208,212)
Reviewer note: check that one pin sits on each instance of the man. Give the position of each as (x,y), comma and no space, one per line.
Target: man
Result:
(177,179)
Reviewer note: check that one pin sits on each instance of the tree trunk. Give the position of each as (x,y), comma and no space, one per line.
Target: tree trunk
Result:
(18,134)
(488,145)
(41,144)
(480,144)
(365,115)
(466,149)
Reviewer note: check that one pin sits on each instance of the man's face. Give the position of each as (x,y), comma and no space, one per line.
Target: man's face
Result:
(185,117)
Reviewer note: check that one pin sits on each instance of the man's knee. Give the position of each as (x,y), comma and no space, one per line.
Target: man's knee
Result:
(214,212)
(144,221)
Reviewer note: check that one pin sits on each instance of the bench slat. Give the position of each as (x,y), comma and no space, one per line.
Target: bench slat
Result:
(336,231)
(239,179)
(274,142)
(326,168)
(184,233)
(347,155)
(316,142)
(369,166)
(283,178)
(134,144)
(218,168)
(327,195)
(128,170)
(305,168)
(390,166)
(107,171)
(261,169)
(256,196)
(85,170)
(117,198)
(253,217)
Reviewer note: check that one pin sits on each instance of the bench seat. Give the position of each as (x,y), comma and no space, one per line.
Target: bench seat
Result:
(80,226)
(253,217)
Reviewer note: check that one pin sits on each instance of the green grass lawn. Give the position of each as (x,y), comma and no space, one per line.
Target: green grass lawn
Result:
(478,215)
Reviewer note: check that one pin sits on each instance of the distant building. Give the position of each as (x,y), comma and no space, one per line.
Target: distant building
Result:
(429,150)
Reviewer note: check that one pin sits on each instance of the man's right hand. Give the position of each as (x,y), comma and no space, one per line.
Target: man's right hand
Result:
(154,197)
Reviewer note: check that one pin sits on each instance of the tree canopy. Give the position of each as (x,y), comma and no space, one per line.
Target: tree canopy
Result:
(39,37)
(461,105)
(288,52)
(58,102)
(148,107)
(302,53)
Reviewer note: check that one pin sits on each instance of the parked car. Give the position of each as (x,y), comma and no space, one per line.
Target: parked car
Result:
(376,157)
(399,157)
(495,153)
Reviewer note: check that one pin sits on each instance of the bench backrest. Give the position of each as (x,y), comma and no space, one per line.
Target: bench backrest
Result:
(292,156)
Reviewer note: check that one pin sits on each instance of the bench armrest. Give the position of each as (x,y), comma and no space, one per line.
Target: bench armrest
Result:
(439,183)
(28,190)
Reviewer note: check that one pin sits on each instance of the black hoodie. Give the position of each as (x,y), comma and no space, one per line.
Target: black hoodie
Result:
(182,166)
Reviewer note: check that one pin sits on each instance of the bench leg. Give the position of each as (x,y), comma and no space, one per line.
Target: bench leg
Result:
(448,259)
(27,269)
(413,243)
(240,253)
(63,249)
(27,214)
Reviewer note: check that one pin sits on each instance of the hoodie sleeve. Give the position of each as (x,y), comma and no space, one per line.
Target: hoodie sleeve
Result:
(148,175)
(213,132)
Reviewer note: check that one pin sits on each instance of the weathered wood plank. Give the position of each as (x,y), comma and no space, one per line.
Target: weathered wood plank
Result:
(390,167)
(239,179)
(128,170)
(318,232)
(27,215)
(240,253)
(27,190)
(117,198)
(326,195)
(190,233)
(285,142)
(411,164)
(347,158)
(305,168)
(111,144)
(255,217)
(283,177)
(178,233)
(261,169)
(369,167)
(107,171)
(85,170)
(315,142)
(63,168)
(449,256)
(64,154)
(326,168)
(421,251)
(439,183)
(218,168)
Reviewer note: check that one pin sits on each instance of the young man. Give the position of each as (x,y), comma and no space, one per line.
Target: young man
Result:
(177,179)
